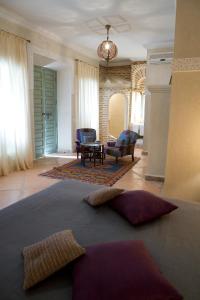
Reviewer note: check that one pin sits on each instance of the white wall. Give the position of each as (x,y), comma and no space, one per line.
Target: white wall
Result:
(65,90)
(158,130)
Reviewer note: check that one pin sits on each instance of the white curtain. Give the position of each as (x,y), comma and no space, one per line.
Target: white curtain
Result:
(15,123)
(137,113)
(88,96)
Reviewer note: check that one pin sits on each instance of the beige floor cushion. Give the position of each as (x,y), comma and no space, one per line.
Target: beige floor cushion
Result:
(103,195)
(48,256)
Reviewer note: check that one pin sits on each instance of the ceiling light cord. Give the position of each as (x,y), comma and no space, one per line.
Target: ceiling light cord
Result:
(107,28)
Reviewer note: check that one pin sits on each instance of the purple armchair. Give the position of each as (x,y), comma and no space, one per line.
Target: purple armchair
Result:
(84,135)
(125,145)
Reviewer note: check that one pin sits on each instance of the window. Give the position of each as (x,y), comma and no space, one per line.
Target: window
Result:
(137,113)
(15,132)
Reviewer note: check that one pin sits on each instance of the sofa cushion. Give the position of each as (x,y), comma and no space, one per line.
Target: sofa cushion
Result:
(120,270)
(140,206)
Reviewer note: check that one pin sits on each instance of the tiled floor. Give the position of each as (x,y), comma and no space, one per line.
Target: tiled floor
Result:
(19,185)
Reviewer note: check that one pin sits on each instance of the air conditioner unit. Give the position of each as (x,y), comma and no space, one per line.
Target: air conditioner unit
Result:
(161,58)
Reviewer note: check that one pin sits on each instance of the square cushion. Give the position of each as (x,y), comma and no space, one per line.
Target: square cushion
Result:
(140,207)
(120,271)
(88,139)
(87,135)
(103,195)
(123,139)
(48,256)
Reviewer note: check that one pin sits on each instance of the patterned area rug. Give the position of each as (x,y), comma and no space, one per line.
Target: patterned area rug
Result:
(106,174)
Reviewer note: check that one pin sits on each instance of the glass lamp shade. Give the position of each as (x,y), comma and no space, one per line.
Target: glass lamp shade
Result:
(107,50)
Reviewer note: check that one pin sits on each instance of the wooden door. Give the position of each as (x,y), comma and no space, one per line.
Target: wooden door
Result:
(45,111)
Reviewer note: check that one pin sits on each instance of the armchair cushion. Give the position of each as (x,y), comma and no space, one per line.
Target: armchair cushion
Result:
(85,135)
(123,139)
(111,144)
(88,139)
(113,151)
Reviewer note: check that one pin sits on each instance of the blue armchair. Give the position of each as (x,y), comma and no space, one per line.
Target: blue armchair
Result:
(84,135)
(125,145)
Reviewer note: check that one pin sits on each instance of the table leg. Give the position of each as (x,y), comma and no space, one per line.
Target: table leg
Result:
(94,156)
(102,154)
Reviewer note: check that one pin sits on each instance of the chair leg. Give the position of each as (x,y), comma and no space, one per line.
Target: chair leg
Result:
(77,155)
(132,157)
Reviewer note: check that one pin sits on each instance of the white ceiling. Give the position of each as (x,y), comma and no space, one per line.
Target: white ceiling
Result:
(137,24)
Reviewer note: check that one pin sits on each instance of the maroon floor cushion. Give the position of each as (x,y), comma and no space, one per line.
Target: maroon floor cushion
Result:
(120,271)
(139,207)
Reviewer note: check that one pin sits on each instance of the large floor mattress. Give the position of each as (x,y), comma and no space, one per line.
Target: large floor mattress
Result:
(173,240)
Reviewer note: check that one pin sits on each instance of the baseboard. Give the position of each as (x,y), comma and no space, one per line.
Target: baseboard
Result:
(150,177)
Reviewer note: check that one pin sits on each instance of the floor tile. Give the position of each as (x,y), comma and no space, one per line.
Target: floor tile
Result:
(19,185)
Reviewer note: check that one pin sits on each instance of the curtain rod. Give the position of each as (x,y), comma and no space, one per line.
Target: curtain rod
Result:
(16,35)
(86,63)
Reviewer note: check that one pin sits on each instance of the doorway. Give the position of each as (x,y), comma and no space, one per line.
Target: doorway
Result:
(45,111)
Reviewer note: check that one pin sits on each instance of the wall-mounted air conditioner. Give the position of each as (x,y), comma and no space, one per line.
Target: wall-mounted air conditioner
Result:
(160,58)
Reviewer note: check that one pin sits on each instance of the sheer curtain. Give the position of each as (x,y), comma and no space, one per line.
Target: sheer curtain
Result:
(15,123)
(137,113)
(88,96)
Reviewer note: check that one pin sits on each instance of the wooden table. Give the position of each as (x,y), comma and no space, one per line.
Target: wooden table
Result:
(92,151)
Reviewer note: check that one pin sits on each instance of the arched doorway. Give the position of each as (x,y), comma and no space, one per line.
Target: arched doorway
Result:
(117,114)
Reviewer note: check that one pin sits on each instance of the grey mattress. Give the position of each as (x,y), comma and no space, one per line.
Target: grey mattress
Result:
(173,240)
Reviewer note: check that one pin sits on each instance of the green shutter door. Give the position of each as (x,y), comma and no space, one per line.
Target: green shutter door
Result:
(38,110)
(50,110)
(45,111)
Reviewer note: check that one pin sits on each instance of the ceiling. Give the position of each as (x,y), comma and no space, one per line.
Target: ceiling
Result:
(136,24)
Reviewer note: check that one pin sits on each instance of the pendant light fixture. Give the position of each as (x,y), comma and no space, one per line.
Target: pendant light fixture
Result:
(107,50)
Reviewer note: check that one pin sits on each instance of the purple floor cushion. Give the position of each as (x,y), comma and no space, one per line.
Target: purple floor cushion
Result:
(140,207)
(120,271)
